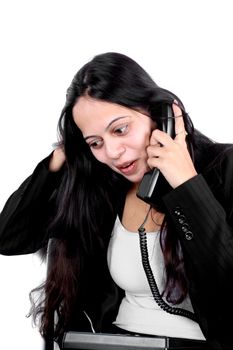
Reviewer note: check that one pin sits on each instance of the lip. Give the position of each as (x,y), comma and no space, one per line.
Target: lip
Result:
(127,168)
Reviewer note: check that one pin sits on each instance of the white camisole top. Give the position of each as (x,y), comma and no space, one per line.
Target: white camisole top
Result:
(138,311)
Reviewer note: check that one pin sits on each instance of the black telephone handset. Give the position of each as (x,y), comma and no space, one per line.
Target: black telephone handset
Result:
(148,191)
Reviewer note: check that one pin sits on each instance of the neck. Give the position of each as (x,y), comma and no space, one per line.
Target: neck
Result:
(135,211)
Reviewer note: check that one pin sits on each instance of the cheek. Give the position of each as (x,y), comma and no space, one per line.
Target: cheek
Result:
(144,141)
(100,156)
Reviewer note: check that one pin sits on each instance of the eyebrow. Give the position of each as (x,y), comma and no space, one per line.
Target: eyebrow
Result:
(108,126)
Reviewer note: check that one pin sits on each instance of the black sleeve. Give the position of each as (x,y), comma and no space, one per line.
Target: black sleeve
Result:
(25,216)
(201,210)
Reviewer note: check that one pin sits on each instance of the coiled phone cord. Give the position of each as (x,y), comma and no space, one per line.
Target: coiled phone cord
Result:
(151,280)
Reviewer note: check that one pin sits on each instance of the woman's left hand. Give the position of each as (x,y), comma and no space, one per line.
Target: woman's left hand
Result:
(169,155)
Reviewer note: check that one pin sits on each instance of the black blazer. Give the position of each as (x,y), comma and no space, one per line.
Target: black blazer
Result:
(202,212)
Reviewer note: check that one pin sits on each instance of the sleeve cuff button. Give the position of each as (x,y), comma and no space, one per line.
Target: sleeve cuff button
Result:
(189,235)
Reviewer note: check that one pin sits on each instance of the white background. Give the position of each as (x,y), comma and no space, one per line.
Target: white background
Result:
(186,46)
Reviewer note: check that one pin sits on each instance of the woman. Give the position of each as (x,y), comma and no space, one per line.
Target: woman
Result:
(84,198)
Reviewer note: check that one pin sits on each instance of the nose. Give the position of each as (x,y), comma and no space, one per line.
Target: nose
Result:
(114,150)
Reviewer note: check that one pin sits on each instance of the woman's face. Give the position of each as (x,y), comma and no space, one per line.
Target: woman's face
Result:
(117,135)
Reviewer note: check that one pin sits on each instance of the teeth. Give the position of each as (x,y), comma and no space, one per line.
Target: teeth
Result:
(125,166)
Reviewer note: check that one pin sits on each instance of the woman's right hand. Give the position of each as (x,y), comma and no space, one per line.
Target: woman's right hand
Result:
(57,160)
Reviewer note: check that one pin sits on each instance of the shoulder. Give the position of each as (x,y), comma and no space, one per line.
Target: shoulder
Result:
(213,155)
(218,172)
(221,158)
(223,167)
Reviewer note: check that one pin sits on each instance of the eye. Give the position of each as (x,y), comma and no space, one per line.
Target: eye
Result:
(121,130)
(95,144)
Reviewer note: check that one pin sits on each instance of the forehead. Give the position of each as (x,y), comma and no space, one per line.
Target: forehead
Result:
(88,110)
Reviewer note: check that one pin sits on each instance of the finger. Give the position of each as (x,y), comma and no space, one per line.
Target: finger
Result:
(159,137)
(153,140)
(180,131)
(152,151)
(57,160)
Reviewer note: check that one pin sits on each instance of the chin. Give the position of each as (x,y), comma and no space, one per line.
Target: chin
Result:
(136,179)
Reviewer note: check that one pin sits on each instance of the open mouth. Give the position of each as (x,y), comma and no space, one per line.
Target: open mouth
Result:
(127,168)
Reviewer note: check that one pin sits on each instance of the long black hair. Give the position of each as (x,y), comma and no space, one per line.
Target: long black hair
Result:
(90,193)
